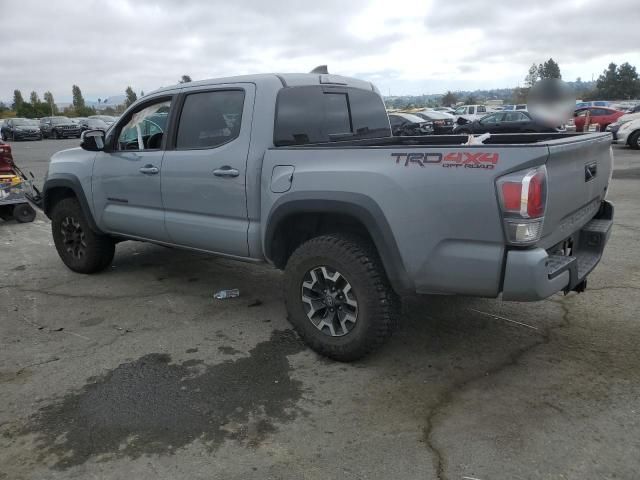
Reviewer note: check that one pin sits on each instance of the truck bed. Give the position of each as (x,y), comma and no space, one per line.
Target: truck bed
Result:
(439,197)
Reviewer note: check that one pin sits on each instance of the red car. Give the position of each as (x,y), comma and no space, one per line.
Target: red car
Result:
(603,116)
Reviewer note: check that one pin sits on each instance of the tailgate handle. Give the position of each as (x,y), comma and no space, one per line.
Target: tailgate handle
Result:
(590,171)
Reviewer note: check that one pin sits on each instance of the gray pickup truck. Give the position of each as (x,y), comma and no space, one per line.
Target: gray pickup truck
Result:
(301,171)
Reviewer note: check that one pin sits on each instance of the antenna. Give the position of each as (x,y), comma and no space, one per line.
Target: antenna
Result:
(320,69)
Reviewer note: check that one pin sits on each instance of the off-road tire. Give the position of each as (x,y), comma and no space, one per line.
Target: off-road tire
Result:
(24,213)
(634,140)
(356,259)
(98,249)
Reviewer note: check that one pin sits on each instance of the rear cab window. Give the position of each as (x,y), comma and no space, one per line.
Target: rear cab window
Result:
(318,114)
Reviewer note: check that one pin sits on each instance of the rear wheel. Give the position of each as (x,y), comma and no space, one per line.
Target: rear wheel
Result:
(634,140)
(79,247)
(338,296)
(23,213)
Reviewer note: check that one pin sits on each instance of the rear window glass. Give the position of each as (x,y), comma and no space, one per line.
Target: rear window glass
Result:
(316,114)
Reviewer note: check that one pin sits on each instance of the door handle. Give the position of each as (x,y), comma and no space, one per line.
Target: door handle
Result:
(226,171)
(149,170)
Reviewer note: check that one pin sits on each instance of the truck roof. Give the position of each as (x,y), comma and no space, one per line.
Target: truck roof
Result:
(284,79)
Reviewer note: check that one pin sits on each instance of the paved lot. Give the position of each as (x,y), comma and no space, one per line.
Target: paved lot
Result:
(139,373)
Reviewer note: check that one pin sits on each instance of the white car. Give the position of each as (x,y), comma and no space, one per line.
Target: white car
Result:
(469,113)
(629,134)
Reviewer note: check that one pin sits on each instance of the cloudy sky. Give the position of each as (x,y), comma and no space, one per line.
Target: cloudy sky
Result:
(405,47)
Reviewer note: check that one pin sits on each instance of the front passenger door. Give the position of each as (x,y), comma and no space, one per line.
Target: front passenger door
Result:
(126,178)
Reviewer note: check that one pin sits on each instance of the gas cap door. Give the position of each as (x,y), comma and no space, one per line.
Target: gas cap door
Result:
(281,178)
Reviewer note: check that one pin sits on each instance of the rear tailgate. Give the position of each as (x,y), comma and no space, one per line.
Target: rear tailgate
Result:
(579,171)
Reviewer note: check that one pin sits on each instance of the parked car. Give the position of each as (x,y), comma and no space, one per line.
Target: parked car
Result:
(92,123)
(442,122)
(469,113)
(59,127)
(505,122)
(407,124)
(78,120)
(107,119)
(309,179)
(20,129)
(602,116)
(629,134)
(633,114)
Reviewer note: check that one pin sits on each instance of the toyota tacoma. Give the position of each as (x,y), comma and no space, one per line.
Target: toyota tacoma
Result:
(301,171)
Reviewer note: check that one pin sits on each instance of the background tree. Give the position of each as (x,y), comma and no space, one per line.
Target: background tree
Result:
(34,99)
(628,82)
(141,93)
(532,76)
(131,96)
(449,99)
(185,79)
(51,104)
(17,99)
(470,100)
(549,69)
(618,82)
(78,99)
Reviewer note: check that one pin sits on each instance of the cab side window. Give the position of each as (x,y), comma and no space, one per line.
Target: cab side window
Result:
(146,128)
(210,119)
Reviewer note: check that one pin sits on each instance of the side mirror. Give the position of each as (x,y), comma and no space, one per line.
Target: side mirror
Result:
(92,140)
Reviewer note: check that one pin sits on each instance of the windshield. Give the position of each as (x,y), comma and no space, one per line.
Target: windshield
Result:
(60,120)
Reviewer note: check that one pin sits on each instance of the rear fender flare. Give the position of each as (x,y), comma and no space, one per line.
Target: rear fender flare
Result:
(359,206)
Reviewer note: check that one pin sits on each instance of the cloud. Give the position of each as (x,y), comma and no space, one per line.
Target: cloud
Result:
(417,46)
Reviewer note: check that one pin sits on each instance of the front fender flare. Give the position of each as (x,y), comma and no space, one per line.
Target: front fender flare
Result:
(67,180)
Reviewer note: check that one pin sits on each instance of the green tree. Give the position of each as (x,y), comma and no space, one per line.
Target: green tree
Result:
(449,99)
(51,104)
(17,99)
(131,96)
(78,99)
(628,82)
(470,100)
(185,79)
(549,69)
(618,82)
(34,99)
(532,76)
(141,93)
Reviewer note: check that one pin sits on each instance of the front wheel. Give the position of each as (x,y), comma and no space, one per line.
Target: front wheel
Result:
(80,248)
(338,296)
(634,140)
(54,134)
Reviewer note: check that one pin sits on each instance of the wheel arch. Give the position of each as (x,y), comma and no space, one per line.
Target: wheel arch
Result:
(66,186)
(295,218)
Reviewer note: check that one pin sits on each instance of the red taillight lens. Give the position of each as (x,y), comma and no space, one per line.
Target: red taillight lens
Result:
(511,193)
(537,195)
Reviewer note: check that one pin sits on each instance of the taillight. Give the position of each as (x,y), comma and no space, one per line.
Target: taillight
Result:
(523,199)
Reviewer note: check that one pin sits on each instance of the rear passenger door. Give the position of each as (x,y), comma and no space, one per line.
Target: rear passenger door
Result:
(204,170)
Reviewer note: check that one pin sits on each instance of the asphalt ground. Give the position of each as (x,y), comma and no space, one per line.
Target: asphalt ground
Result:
(139,372)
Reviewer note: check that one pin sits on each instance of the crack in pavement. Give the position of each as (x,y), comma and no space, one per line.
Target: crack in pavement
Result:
(447,398)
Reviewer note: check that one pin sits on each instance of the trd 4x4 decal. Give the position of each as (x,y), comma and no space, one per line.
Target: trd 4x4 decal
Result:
(449,160)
